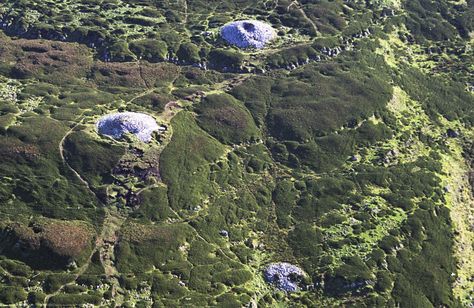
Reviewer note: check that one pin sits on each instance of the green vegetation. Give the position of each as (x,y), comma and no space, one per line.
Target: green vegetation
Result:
(302,119)
(92,159)
(185,163)
(225,118)
(344,147)
(12,295)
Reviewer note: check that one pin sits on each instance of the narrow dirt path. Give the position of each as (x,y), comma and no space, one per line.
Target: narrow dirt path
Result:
(63,158)
(84,267)
(141,94)
(303,13)
(79,272)
(148,90)
(460,200)
(112,223)
(140,70)
(198,235)
(106,246)
(185,4)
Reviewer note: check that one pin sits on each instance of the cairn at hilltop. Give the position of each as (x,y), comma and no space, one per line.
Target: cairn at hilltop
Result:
(284,276)
(248,33)
(117,124)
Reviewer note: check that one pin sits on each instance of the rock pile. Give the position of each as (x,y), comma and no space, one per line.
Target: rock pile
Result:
(117,124)
(248,33)
(284,276)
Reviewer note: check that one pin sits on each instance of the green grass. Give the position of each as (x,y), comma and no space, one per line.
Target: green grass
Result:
(185,163)
(268,160)
(225,118)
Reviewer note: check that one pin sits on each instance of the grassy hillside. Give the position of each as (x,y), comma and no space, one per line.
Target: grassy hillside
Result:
(344,147)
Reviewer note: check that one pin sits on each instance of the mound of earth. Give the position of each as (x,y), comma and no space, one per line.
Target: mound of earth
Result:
(248,33)
(49,244)
(284,276)
(117,124)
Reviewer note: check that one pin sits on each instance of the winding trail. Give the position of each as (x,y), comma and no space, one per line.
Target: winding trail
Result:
(303,13)
(185,4)
(81,270)
(63,158)
(198,235)
(141,94)
(106,245)
(140,71)
(460,200)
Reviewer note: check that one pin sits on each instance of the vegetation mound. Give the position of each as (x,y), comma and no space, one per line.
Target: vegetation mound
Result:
(49,243)
(227,119)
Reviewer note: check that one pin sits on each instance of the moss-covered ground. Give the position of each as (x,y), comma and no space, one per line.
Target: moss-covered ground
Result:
(345,147)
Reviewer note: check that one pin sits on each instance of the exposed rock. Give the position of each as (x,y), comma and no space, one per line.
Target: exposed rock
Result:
(251,243)
(353,158)
(451,133)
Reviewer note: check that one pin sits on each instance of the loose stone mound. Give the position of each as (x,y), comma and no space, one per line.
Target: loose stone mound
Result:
(117,124)
(248,33)
(284,276)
